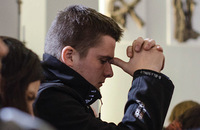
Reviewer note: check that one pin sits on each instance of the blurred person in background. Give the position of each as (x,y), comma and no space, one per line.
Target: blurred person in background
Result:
(180,108)
(3,50)
(20,76)
(189,120)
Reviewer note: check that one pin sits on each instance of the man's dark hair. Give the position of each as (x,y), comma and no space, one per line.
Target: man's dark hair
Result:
(81,28)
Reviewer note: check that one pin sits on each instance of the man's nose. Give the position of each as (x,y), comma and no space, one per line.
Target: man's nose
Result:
(108,70)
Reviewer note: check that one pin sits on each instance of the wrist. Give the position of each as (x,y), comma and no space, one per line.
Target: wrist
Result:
(147,72)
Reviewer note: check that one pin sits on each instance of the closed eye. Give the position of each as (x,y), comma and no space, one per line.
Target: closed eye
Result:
(31,96)
(103,61)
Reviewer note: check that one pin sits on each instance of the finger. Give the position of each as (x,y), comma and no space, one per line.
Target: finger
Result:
(148,44)
(137,44)
(159,48)
(129,51)
(123,65)
(118,62)
(163,65)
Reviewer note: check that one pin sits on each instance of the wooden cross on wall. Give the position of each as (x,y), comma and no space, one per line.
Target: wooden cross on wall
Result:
(119,12)
(183,11)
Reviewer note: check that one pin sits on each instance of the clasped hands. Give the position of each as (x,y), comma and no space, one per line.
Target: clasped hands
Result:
(143,54)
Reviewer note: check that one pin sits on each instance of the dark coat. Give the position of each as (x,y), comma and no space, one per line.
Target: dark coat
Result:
(64,100)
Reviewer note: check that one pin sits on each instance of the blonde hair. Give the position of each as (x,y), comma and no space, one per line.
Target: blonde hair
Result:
(180,108)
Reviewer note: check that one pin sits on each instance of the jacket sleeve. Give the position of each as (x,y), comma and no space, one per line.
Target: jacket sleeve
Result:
(148,101)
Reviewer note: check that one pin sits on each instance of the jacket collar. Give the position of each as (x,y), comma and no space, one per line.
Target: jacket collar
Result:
(56,71)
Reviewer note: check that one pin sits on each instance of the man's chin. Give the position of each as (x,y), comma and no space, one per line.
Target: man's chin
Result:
(98,86)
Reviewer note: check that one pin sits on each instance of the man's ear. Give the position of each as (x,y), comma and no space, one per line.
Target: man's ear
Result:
(67,55)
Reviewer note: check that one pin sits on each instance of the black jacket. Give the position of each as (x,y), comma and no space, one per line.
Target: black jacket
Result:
(64,100)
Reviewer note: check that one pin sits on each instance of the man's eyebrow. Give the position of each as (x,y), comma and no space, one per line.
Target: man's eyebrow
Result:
(106,57)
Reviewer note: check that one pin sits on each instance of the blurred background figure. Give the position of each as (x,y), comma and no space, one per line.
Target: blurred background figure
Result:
(3,50)
(21,74)
(189,120)
(183,116)
(180,108)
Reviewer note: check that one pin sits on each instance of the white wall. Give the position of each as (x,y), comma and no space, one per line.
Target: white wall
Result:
(32,28)
(33,24)
(54,6)
(8,18)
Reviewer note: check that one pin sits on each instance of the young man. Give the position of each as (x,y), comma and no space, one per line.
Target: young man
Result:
(79,51)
